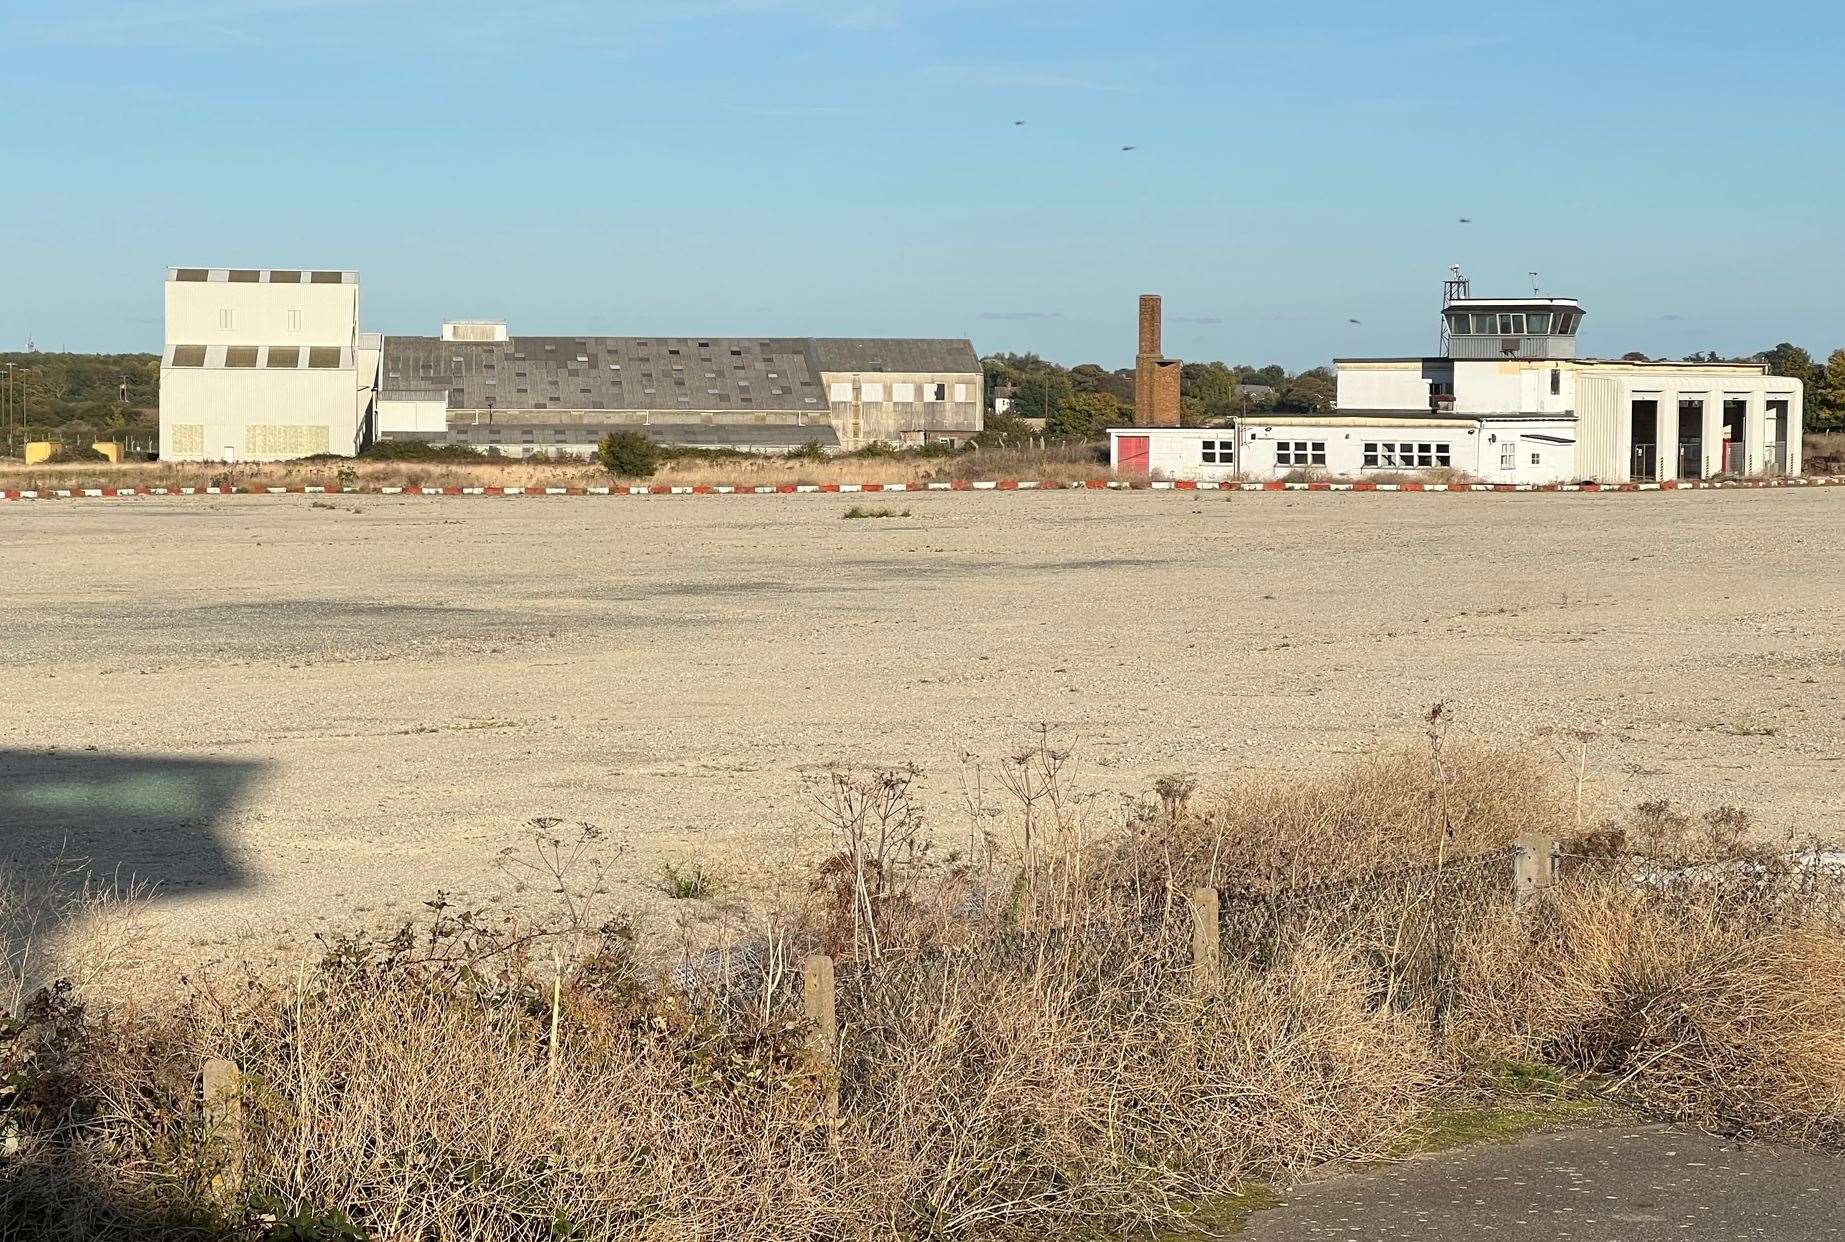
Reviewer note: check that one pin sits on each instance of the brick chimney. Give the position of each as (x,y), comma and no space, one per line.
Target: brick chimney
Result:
(1156,377)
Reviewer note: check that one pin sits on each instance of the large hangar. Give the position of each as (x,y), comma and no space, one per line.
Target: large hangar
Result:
(266,364)
(478,385)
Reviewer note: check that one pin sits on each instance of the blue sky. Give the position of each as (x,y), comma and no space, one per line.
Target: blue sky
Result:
(851,167)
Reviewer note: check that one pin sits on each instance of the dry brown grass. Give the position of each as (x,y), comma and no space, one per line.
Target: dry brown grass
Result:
(1823,452)
(1062,464)
(1025,1045)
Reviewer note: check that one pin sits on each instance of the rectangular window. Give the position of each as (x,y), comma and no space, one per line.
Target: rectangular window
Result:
(935,392)
(294,319)
(869,392)
(1460,324)
(1405,455)
(240,356)
(1537,459)
(284,357)
(324,357)
(1485,325)
(1217,452)
(903,392)
(245,276)
(1508,456)
(1511,323)
(1538,324)
(327,278)
(1556,381)
(963,392)
(189,356)
(1300,452)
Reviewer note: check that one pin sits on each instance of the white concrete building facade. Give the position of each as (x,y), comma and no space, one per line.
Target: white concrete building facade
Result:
(1507,400)
(265,364)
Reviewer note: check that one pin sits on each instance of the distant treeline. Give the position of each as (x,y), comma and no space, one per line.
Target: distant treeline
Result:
(101,392)
(1079,401)
(69,392)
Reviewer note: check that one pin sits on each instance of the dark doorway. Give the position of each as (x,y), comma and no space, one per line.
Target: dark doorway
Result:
(1776,456)
(1645,439)
(1735,414)
(1691,438)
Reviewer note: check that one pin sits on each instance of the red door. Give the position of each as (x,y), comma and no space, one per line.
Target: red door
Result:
(1131,455)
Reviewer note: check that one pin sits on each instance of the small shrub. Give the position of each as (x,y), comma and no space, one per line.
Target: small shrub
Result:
(628,455)
(860,511)
(419,450)
(691,883)
(813,450)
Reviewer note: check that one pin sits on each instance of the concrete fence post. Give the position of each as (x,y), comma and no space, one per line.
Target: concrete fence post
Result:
(1207,938)
(1534,868)
(221,1089)
(817,992)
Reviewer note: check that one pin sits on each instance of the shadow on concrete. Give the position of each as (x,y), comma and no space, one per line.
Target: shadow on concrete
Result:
(154,821)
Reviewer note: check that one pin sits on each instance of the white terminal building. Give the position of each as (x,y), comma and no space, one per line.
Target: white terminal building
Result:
(1507,400)
(264,364)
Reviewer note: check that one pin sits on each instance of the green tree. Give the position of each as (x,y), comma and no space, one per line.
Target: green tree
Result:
(1041,393)
(1828,396)
(628,455)
(1790,360)
(1085,414)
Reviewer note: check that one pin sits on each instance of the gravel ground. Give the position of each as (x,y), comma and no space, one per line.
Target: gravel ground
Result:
(299,712)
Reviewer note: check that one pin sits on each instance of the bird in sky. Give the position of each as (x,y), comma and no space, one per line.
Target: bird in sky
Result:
(1018,122)
(1352,321)
(1127,148)
(1466,219)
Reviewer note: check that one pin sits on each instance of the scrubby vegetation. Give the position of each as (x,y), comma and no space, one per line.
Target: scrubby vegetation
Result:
(1026,1045)
(628,455)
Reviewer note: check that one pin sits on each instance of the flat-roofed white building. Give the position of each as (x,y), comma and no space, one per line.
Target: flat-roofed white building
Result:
(1507,400)
(265,364)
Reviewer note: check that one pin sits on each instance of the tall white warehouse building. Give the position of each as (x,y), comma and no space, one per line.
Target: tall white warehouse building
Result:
(265,364)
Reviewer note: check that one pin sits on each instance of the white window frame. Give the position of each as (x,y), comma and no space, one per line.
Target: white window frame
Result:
(871,392)
(902,392)
(1217,452)
(1407,454)
(1300,453)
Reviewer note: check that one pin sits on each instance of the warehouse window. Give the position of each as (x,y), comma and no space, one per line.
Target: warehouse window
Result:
(1556,381)
(1217,452)
(1300,452)
(240,356)
(935,392)
(284,357)
(1406,455)
(328,278)
(284,278)
(245,276)
(189,356)
(192,274)
(325,357)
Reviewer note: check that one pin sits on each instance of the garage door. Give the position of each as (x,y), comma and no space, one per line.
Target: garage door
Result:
(1132,454)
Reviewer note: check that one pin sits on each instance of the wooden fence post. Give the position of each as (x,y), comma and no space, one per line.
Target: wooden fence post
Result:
(1534,868)
(1207,938)
(221,1086)
(817,988)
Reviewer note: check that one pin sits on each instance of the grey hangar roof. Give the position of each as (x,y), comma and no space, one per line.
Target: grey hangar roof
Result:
(708,374)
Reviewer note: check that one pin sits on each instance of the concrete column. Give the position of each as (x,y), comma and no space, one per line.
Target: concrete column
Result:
(1666,429)
(1713,432)
(1755,437)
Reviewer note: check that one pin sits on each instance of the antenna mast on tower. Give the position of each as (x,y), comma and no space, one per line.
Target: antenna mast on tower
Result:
(1453,289)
